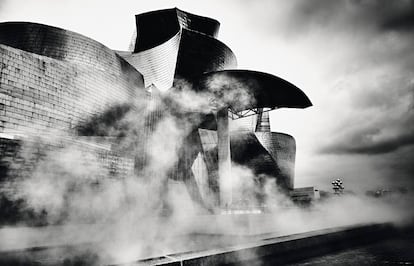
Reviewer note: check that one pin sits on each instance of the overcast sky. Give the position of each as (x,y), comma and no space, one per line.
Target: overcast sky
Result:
(353,58)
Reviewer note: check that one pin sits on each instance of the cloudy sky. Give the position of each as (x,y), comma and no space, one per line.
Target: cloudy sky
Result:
(353,58)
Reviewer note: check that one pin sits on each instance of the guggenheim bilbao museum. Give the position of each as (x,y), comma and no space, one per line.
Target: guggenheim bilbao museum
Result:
(62,91)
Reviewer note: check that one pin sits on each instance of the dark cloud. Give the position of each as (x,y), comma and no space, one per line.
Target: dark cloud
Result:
(379,136)
(389,109)
(383,15)
(403,19)
(365,144)
(397,167)
(380,88)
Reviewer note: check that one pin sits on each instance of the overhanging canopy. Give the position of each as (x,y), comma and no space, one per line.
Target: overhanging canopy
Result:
(244,89)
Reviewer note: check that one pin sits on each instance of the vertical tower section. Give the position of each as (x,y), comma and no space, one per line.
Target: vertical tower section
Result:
(172,44)
(224,158)
(172,48)
(263,121)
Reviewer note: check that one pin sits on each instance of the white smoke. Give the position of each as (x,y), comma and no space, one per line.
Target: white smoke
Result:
(142,216)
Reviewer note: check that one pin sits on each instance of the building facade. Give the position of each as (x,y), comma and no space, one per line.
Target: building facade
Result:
(73,91)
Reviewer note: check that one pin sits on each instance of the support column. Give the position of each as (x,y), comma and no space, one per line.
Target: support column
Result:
(263,121)
(224,160)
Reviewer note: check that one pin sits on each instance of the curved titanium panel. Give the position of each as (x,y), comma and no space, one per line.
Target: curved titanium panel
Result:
(157,64)
(248,151)
(198,23)
(38,93)
(245,89)
(59,44)
(156,27)
(282,148)
(156,53)
(200,54)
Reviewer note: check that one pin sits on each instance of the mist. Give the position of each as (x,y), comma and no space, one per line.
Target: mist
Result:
(136,215)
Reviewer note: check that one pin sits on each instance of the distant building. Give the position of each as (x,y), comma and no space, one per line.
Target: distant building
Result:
(304,195)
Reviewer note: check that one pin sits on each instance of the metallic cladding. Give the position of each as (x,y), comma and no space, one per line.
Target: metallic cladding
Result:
(261,90)
(156,27)
(157,64)
(209,157)
(172,44)
(199,54)
(13,164)
(53,79)
(265,153)
(282,148)
(246,150)
(60,44)
(182,171)
(198,23)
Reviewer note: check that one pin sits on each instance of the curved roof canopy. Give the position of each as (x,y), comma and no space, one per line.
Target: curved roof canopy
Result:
(245,89)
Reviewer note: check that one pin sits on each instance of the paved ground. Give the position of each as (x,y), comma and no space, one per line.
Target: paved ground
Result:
(29,248)
(399,251)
